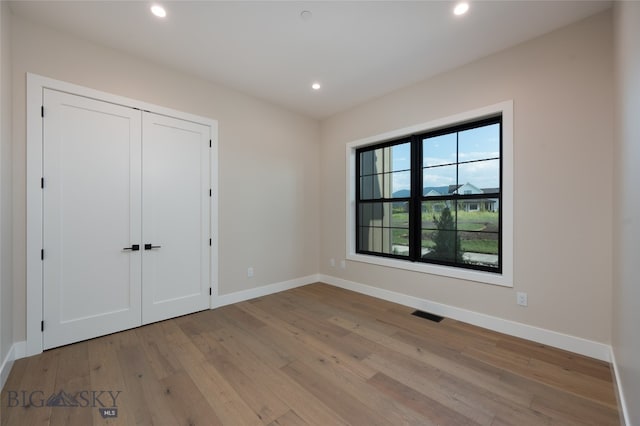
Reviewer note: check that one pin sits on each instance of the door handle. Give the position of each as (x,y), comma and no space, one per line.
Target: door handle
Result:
(134,247)
(150,246)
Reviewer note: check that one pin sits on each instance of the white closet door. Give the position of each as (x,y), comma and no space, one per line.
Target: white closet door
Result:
(92,211)
(175,206)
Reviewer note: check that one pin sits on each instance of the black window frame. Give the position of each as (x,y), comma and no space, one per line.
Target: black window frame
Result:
(416,197)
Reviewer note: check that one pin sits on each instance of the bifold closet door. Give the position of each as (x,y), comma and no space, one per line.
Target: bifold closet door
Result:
(175,217)
(91,218)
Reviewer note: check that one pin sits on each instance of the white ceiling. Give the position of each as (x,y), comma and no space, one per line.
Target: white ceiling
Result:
(358,50)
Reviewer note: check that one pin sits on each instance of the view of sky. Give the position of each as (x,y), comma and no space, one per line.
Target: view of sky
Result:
(439,153)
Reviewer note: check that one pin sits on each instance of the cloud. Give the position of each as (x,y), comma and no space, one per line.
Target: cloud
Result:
(401,163)
(438,180)
(401,181)
(436,161)
(480,166)
(481,174)
(465,156)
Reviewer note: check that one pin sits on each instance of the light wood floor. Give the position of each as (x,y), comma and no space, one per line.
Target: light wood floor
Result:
(315,355)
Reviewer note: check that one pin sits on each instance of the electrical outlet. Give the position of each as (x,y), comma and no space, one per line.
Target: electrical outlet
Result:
(332,262)
(343,264)
(250,272)
(521,298)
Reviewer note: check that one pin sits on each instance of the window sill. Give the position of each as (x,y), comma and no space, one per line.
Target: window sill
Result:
(504,279)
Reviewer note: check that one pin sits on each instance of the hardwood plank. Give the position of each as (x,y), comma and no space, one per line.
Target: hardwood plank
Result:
(316,355)
(143,390)
(159,355)
(426,382)
(7,406)
(271,351)
(432,410)
(422,354)
(205,320)
(309,342)
(340,377)
(361,305)
(549,374)
(567,360)
(484,400)
(290,418)
(106,374)
(186,402)
(563,406)
(346,405)
(266,404)
(239,316)
(269,376)
(73,378)
(38,383)
(563,409)
(220,395)
(322,330)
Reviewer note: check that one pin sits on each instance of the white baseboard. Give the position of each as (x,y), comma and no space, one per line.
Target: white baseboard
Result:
(241,296)
(622,402)
(17,351)
(567,342)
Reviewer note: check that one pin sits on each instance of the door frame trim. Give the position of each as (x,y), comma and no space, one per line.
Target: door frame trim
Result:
(34,217)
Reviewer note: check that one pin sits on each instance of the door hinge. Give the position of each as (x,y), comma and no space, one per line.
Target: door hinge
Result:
(42,111)
(41,182)
(209,143)
(41,325)
(209,241)
(209,193)
(42,254)
(209,291)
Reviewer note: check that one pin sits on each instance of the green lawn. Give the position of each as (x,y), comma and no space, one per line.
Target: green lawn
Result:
(480,246)
(482,216)
(467,221)
(471,226)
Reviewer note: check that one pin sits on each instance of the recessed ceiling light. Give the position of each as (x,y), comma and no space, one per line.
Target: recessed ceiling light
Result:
(158,10)
(315,86)
(461,8)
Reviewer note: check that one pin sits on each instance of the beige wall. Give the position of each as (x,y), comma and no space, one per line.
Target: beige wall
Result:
(626,288)
(6,284)
(268,157)
(561,85)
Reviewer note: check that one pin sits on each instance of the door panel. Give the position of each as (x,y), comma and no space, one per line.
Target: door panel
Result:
(92,210)
(175,205)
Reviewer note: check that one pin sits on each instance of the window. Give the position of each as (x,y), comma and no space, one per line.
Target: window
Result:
(432,198)
(383,207)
